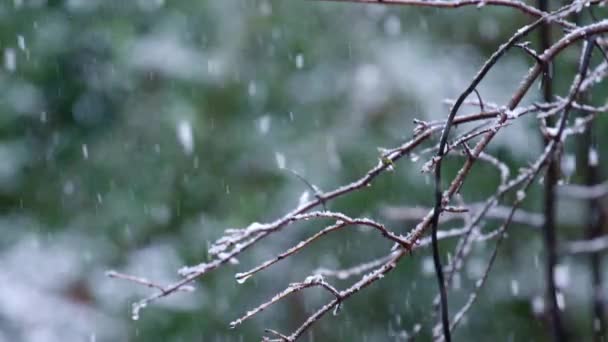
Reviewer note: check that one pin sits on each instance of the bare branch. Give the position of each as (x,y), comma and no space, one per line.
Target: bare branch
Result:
(143,281)
(356,270)
(493,119)
(584,192)
(312,281)
(497,212)
(342,221)
(596,245)
(355,288)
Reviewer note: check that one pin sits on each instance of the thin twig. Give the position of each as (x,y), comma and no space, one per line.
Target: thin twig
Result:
(312,281)
(142,281)
(342,221)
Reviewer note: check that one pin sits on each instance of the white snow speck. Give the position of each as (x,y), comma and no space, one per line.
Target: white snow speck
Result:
(280,158)
(514,287)
(264,124)
(10,59)
(299,61)
(303,199)
(562,276)
(561,301)
(568,165)
(428,267)
(252,89)
(593,157)
(185,137)
(538,305)
(85,151)
(21,42)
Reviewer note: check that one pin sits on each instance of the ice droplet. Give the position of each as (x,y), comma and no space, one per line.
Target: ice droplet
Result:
(241,278)
(136,309)
(593,157)
(337,309)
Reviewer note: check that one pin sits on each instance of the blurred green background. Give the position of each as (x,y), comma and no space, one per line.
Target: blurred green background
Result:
(132,133)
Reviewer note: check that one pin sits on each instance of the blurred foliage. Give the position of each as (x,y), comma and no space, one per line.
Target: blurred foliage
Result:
(133,133)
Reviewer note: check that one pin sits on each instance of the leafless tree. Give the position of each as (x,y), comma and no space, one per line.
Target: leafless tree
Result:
(556,125)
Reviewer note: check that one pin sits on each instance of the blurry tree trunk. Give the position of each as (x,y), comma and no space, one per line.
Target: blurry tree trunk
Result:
(588,167)
(551,178)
